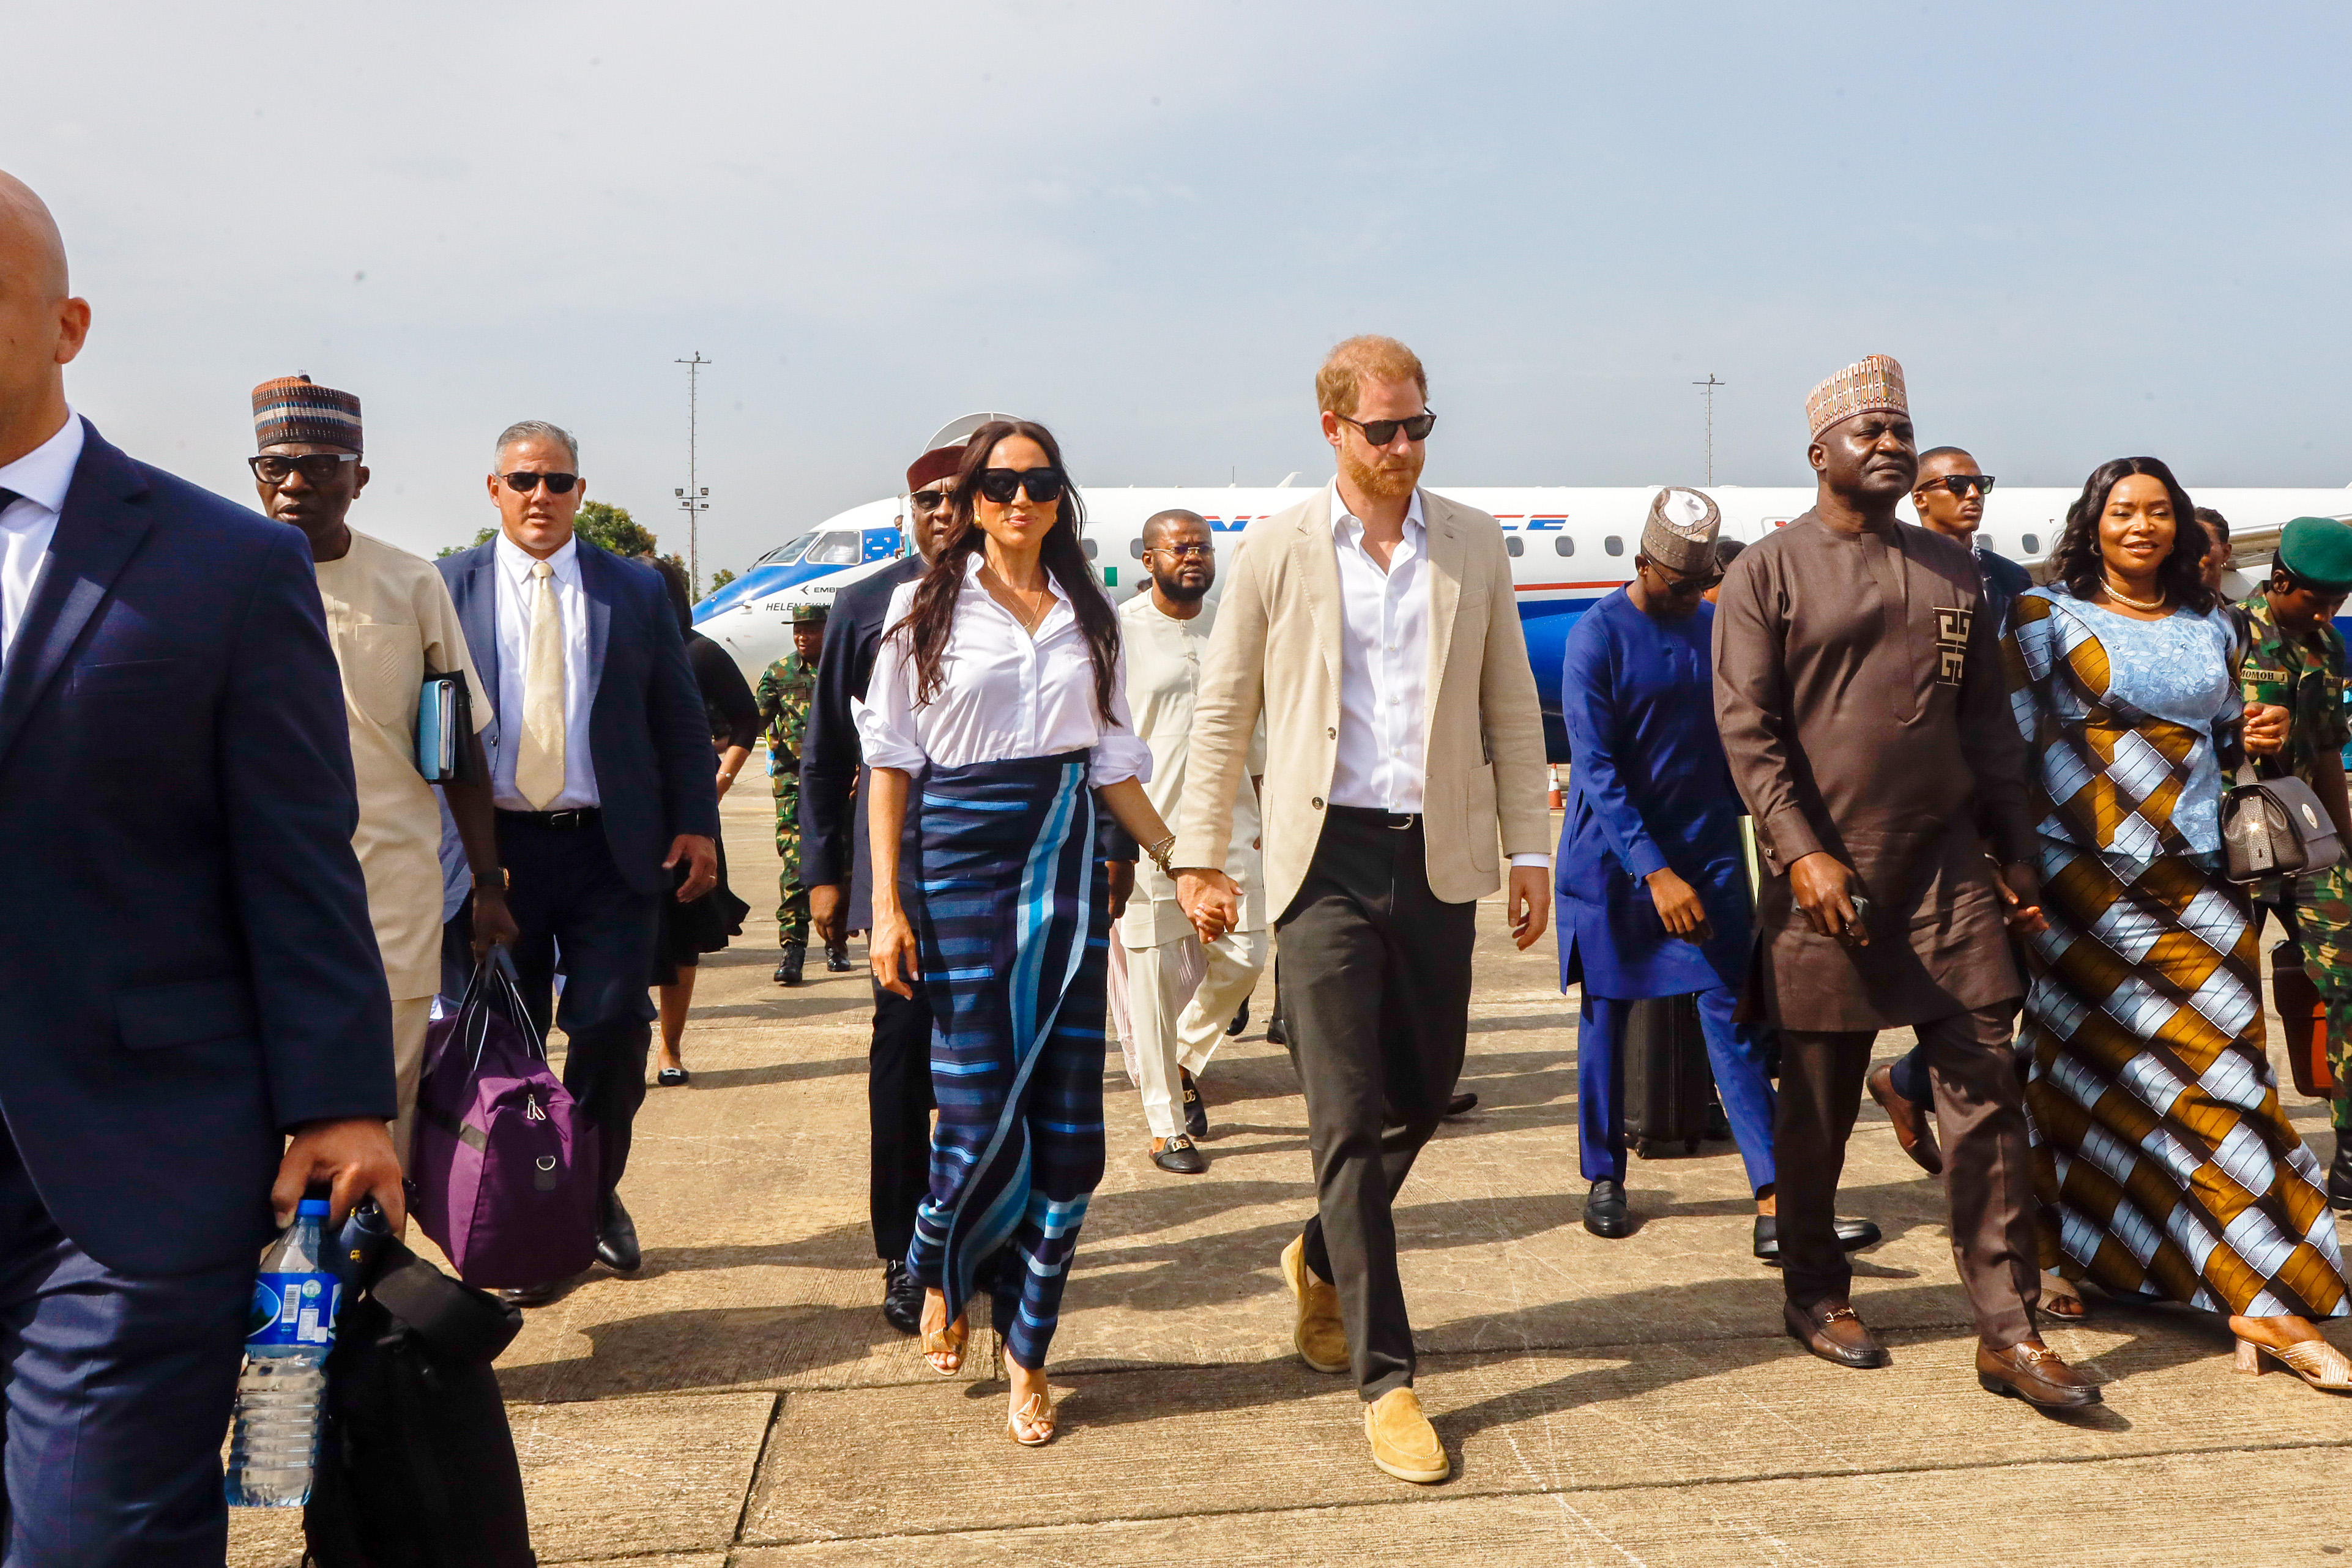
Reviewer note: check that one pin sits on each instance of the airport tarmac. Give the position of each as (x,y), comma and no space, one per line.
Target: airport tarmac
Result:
(740,1402)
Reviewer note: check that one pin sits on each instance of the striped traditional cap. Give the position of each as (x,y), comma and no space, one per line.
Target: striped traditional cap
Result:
(1871,385)
(1679,533)
(295,408)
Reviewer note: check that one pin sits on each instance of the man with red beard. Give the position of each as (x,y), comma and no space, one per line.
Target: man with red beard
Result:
(1374,630)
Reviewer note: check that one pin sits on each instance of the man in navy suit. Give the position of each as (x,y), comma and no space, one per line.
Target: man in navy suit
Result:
(602,770)
(187,973)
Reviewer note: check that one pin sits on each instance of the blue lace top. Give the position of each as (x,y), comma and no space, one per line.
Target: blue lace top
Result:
(2175,669)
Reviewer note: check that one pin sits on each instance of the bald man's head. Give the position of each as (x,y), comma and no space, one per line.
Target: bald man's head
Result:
(1160,523)
(41,326)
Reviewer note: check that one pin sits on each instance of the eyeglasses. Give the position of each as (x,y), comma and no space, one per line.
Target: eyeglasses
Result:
(522,482)
(1381,431)
(317,467)
(1683,587)
(1960,484)
(999,484)
(1185,552)
(932,500)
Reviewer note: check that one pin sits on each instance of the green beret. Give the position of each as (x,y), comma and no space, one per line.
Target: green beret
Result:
(810,614)
(2318,552)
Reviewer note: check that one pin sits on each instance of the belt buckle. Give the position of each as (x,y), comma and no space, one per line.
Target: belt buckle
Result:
(1401,822)
(567,818)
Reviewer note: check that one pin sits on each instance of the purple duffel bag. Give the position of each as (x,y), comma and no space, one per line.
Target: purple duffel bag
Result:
(505,1165)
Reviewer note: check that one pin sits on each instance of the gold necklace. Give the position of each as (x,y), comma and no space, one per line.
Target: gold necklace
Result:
(2162,597)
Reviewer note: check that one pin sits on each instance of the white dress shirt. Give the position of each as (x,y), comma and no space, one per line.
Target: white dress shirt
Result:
(40,478)
(1384,668)
(518,592)
(1006,695)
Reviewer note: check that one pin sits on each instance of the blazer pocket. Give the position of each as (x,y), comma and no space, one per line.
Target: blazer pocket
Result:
(134,675)
(190,1012)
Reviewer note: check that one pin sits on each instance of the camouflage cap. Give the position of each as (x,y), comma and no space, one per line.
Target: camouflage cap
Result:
(808,613)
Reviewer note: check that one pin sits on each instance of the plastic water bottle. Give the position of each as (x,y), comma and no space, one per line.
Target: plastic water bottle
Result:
(282,1395)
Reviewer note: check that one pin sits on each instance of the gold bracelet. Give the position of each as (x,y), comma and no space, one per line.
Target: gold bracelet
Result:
(1159,851)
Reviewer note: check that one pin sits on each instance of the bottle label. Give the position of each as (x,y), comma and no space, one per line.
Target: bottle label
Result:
(292,1310)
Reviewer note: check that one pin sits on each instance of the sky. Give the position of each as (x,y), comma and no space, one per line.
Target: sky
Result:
(2086,231)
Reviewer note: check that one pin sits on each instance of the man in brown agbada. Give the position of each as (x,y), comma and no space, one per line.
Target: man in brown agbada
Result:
(1859,689)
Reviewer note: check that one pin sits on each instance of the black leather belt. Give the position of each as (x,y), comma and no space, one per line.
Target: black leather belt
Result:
(1394,822)
(584,817)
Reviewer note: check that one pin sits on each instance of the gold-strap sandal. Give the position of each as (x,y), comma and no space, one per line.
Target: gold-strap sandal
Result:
(943,1347)
(2315,1361)
(1031,1425)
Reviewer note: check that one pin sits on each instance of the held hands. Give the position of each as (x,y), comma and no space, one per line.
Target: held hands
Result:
(890,944)
(2021,890)
(2266,731)
(1210,900)
(1824,887)
(702,860)
(355,1156)
(1679,908)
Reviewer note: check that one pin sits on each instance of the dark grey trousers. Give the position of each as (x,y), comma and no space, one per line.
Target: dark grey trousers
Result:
(1376,994)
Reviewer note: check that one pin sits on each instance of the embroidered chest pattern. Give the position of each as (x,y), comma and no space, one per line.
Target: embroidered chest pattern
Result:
(1952,644)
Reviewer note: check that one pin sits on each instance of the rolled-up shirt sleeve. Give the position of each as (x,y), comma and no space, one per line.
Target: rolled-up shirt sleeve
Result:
(1120,754)
(887,732)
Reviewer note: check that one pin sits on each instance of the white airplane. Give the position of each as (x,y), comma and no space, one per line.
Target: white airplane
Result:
(1570,548)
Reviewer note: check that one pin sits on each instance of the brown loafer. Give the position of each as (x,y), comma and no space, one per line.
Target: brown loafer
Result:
(1913,1130)
(1830,1329)
(1403,1442)
(1316,1328)
(2032,1372)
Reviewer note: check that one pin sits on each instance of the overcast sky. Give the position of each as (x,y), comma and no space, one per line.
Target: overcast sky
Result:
(2085,231)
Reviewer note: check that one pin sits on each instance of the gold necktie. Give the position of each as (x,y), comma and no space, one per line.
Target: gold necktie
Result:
(538,762)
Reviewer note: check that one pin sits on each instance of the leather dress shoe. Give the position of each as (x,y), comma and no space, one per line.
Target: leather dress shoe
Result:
(1852,1236)
(531,1295)
(1196,1110)
(902,1299)
(1913,1129)
(1179,1155)
(617,1238)
(2339,1174)
(1461,1104)
(2031,1371)
(1830,1329)
(1276,1033)
(837,960)
(1241,1021)
(1604,1210)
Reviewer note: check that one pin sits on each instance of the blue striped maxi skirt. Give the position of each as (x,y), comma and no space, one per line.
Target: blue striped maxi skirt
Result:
(1014,934)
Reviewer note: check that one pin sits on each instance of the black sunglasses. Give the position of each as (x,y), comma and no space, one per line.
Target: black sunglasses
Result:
(932,500)
(317,467)
(998,484)
(1960,484)
(1681,587)
(1381,431)
(522,482)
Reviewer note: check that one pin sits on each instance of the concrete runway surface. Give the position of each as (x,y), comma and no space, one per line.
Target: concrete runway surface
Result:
(740,1402)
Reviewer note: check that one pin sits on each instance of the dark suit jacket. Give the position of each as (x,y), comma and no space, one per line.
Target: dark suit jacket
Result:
(647,735)
(186,966)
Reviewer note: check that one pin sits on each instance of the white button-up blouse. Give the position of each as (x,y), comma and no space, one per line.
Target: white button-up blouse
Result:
(1006,695)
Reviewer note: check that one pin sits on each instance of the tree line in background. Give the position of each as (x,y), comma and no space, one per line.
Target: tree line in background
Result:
(611,528)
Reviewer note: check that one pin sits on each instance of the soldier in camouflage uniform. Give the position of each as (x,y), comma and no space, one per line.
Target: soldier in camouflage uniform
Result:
(2296,658)
(785,692)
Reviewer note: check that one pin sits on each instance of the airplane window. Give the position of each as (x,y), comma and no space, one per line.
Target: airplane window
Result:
(2033,544)
(1089,545)
(785,553)
(1562,545)
(1613,544)
(834,550)
(1516,545)
(1135,548)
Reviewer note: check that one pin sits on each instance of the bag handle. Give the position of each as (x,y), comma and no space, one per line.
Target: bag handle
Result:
(495,975)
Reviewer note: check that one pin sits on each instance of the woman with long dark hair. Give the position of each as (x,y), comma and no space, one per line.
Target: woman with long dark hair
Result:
(2159,1143)
(1000,683)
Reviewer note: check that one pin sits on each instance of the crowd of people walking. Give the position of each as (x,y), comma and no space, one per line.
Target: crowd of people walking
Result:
(1857,776)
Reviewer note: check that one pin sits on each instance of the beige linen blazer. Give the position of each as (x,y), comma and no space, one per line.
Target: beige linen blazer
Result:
(1275,654)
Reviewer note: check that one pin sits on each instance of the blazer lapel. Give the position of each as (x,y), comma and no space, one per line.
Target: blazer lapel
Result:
(477,617)
(596,570)
(1446,549)
(97,534)
(1318,555)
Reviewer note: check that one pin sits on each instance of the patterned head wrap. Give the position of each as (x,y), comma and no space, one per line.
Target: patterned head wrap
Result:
(1681,530)
(1871,385)
(294,408)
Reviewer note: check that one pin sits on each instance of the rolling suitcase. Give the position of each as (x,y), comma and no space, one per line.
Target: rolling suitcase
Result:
(1668,1085)
(2302,1018)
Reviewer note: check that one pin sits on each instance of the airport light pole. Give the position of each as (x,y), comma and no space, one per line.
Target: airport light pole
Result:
(1707,390)
(691,500)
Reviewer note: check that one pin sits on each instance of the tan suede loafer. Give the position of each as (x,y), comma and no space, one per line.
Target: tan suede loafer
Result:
(1320,1336)
(1403,1442)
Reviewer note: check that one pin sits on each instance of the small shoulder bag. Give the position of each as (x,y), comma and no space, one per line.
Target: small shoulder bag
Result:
(2275,827)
